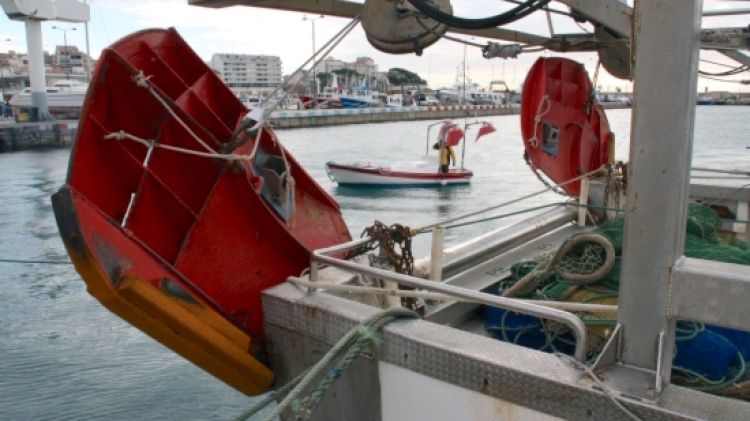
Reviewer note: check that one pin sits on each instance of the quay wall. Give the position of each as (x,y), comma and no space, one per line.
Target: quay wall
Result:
(23,136)
(316,118)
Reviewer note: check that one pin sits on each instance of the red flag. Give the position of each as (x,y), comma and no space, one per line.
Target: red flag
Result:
(444,128)
(485,129)
(454,136)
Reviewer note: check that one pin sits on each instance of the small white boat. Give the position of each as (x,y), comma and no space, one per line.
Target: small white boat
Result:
(424,172)
(416,173)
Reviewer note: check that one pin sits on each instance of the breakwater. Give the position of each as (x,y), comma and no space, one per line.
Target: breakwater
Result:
(318,118)
(23,136)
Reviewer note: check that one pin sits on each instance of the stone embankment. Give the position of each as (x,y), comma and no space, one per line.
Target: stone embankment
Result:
(23,136)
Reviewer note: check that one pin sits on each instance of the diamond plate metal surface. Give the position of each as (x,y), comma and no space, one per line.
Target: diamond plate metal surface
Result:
(522,376)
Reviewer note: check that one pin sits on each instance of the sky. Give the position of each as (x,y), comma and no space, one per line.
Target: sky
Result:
(249,30)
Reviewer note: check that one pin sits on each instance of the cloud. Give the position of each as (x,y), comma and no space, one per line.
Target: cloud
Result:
(251,30)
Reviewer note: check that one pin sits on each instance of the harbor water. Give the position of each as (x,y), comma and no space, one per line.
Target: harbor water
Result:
(64,357)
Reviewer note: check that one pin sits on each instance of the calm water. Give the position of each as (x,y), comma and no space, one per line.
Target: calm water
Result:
(63,357)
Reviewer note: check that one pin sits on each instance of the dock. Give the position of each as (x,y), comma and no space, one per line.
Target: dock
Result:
(317,118)
(49,134)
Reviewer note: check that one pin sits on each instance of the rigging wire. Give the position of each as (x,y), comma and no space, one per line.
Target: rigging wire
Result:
(509,16)
(717,63)
(741,82)
(734,71)
(545,8)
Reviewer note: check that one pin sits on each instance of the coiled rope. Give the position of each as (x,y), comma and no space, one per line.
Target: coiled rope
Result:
(352,345)
(581,273)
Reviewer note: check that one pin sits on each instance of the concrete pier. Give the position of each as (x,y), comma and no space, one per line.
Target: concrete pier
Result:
(23,136)
(316,118)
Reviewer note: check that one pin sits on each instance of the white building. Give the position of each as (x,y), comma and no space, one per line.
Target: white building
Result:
(248,71)
(365,66)
(329,64)
(71,59)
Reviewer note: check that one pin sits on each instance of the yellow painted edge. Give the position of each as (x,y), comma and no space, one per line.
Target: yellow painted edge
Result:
(158,315)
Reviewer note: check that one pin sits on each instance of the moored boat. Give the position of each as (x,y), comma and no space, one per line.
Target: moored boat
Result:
(64,99)
(417,173)
(151,197)
(422,173)
(451,365)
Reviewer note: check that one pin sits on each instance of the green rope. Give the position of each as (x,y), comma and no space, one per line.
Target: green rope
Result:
(703,240)
(699,382)
(271,397)
(353,344)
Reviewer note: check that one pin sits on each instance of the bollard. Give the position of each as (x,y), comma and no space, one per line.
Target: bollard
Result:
(436,254)
(583,201)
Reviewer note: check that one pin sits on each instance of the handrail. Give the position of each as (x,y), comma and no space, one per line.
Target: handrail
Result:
(576,325)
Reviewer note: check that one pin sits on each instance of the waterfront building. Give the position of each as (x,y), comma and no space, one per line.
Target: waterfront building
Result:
(244,71)
(70,59)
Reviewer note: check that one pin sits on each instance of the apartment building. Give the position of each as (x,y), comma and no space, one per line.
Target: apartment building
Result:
(248,71)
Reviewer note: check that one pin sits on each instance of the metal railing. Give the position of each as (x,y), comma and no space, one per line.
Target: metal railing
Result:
(576,325)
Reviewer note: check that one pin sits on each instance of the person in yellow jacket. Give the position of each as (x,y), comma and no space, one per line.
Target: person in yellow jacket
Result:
(446,157)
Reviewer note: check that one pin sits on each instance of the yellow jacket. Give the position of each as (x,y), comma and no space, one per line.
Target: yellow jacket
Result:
(447,155)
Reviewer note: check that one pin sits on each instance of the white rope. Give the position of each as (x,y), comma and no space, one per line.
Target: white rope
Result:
(323,51)
(498,206)
(534,141)
(604,388)
(123,135)
(561,305)
(144,82)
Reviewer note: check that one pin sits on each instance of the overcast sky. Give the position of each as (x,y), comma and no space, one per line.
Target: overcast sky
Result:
(261,31)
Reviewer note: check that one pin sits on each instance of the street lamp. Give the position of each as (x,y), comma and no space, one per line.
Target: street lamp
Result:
(315,58)
(2,80)
(67,53)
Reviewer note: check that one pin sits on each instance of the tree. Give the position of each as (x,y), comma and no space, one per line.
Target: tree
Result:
(400,77)
(344,72)
(323,78)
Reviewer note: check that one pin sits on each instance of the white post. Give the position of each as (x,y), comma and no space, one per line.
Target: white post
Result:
(36,68)
(666,42)
(583,201)
(88,50)
(88,53)
(436,254)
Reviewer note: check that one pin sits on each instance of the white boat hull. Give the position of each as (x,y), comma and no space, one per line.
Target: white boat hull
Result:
(383,176)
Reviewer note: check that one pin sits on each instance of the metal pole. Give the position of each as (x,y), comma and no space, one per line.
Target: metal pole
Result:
(88,53)
(668,33)
(36,68)
(570,320)
(315,59)
(67,53)
(463,144)
(315,63)
(463,89)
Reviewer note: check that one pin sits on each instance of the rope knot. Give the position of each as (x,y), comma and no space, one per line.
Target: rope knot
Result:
(369,335)
(142,80)
(534,140)
(118,135)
